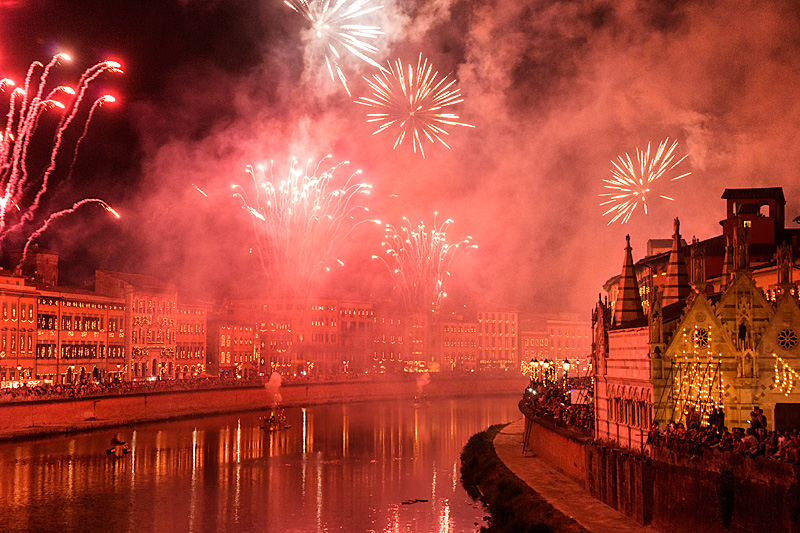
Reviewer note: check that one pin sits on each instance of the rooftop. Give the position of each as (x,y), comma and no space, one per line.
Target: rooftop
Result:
(755,193)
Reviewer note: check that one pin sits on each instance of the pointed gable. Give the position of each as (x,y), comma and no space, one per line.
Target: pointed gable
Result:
(629,304)
(744,311)
(782,334)
(677,286)
(699,330)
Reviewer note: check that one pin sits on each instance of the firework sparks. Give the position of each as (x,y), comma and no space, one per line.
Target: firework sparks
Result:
(299,221)
(419,261)
(22,186)
(414,101)
(631,183)
(333,23)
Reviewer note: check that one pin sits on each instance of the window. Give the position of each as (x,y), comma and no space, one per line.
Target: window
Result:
(787,338)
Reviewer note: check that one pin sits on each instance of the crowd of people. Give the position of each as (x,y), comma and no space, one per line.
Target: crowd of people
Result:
(46,391)
(553,402)
(89,387)
(693,439)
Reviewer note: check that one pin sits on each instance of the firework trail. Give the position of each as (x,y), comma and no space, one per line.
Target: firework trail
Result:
(419,261)
(106,98)
(59,214)
(299,221)
(18,203)
(334,24)
(631,183)
(414,101)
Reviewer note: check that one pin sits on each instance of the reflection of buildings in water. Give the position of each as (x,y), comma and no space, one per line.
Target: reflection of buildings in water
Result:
(224,470)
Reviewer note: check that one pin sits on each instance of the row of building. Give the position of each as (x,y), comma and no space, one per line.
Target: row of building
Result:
(132,327)
(696,326)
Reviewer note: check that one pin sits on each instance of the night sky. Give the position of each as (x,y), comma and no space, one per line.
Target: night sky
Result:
(556,90)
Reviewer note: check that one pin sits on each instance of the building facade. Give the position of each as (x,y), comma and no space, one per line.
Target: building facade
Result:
(356,333)
(232,349)
(459,343)
(728,343)
(497,340)
(392,345)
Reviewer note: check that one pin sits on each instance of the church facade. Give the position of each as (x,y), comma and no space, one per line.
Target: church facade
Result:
(715,333)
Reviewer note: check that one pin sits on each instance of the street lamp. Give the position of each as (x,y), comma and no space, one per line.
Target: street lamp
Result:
(565,365)
(546,366)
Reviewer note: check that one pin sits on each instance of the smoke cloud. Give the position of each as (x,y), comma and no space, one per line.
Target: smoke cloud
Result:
(273,386)
(555,89)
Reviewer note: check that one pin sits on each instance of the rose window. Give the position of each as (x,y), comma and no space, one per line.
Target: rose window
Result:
(700,337)
(787,338)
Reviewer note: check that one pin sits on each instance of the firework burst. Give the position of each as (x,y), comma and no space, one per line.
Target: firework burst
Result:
(631,183)
(299,221)
(334,25)
(413,101)
(22,186)
(419,260)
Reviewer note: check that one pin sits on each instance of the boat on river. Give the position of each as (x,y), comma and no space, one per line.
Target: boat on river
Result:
(119,448)
(275,422)
(421,402)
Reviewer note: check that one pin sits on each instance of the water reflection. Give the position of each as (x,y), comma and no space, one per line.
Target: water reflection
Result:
(357,467)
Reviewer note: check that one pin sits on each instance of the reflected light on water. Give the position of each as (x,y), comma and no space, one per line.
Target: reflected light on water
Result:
(379,466)
(193,490)
(444,518)
(238,468)
(433,484)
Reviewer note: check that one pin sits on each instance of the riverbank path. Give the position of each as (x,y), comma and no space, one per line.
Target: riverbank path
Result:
(563,493)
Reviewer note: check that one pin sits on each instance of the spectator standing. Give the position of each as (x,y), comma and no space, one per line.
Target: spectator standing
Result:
(755,420)
(762,420)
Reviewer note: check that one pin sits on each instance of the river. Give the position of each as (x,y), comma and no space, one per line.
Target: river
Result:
(358,467)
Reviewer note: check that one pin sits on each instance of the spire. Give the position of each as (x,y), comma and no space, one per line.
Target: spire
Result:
(727,264)
(784,262)
(676,287)
(698,261)
(629,304)
(741,247)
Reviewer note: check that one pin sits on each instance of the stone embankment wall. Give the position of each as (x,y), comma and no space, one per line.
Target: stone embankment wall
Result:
(711,492)
(557,446)
(20,419)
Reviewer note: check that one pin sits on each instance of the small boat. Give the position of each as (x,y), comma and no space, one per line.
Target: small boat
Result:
(118,449)
(420,402)
(275,422)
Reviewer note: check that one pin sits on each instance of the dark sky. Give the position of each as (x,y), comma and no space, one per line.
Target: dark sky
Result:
(556,90)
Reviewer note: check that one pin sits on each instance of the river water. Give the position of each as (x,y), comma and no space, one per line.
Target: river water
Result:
(359,467)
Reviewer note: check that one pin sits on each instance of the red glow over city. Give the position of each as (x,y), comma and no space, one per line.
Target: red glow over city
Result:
(277,205)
